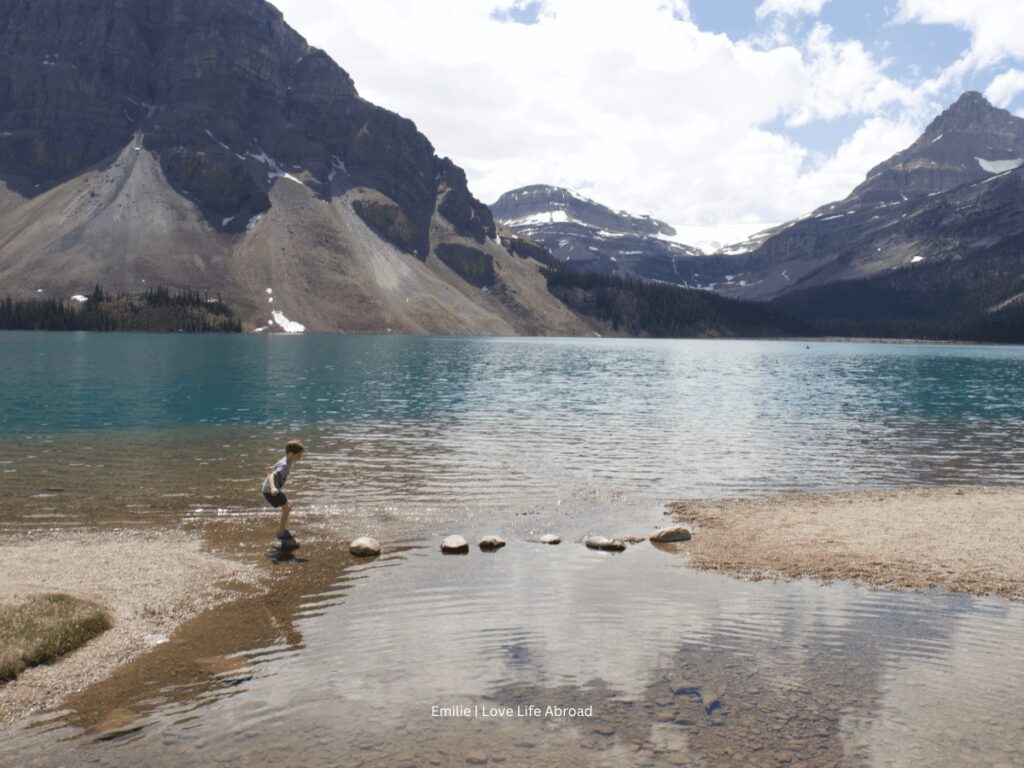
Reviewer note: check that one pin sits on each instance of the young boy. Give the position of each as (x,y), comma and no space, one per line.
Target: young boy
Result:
(272,486)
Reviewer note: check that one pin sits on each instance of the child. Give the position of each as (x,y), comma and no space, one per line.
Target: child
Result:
(272,486)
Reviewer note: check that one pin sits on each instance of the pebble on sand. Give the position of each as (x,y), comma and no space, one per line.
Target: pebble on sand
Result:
(364,546)
(491,543)
(604,543)
(454,545)
(550,538)
(672,533)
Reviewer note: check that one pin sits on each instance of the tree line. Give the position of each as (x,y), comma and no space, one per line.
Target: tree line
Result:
(638,308)
(159,309)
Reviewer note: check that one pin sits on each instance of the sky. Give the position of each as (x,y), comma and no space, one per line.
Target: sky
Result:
(721,117)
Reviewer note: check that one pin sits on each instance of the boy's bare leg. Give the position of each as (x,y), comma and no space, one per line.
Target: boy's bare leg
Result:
(285,511)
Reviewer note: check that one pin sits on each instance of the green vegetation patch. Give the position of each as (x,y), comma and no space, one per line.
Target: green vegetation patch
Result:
(41,629)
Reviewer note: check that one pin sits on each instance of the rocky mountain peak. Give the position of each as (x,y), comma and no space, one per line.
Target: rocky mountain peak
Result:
(539,204)
(968,142)
(226,95)
(594,237)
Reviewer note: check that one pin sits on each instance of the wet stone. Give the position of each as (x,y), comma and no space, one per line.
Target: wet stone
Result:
(550,538)
(670,534)
(491,543)
(454,545)
(632,539)
(364,546)
(604,544)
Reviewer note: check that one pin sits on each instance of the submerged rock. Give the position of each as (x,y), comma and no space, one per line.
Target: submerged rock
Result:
(550,538)
(454,545)
(364,546)
(632,539)
(491,543)
(604,543)
(672,533)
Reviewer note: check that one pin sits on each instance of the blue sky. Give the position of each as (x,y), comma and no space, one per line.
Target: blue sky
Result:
(719,116)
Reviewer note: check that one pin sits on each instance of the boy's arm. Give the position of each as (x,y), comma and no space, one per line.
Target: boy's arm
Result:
(272,479)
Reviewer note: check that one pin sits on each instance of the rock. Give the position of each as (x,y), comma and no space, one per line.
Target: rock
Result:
(604,543)
(364,546)
(550,538)
(672,533)
(632,539)
(491,543)
(455,545)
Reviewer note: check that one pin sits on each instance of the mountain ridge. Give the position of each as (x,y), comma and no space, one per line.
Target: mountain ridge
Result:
(208,145)
(588,235)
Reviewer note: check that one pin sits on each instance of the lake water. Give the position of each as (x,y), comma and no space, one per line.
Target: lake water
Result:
(410,439)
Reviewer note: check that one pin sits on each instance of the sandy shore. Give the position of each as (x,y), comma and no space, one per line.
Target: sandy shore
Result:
(963,539)
(148,581)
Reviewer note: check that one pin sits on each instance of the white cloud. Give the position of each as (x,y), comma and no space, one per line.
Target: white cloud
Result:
(845,79)
(789,7)
(1004,87)
(632,104)
(995,26)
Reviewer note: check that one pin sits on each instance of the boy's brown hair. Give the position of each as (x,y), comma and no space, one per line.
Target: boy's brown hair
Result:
(294,446)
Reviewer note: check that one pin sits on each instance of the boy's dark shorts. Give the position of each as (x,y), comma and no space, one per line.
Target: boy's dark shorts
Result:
(276,501)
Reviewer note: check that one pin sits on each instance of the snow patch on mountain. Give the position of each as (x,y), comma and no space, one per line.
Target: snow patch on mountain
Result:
(540,219)
(1000,166)
(288,326)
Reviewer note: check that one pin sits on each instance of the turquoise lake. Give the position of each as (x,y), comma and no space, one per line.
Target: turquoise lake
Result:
(412,438)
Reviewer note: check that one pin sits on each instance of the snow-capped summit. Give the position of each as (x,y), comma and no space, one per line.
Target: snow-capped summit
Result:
(592,236)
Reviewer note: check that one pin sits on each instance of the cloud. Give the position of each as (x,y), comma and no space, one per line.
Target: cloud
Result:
(845,79)
(1004,87)
(789,7)
(633,104)
(995,26)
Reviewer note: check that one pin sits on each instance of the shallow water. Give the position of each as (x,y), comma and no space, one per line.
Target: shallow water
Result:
(416,431)
(411,439)
(678,667)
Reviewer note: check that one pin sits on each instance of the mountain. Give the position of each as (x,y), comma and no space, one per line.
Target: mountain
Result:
(966,143)
(928,241)
(206,144)
(592,237)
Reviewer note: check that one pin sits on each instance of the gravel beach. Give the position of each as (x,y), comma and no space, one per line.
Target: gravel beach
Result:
(148,581)
(962,539)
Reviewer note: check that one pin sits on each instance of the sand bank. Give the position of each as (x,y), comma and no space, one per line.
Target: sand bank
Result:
(962,539)
(148,581)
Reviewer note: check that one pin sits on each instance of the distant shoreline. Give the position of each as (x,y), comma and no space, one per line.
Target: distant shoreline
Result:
(795,339)
(961,539)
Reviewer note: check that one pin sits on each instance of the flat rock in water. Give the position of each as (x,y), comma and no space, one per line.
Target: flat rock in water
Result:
(550,538)
(454,545)
(632,539)
(604,543)
(672,533)
(364,546)
(491,543)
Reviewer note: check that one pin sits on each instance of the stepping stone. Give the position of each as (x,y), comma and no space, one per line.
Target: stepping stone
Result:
(672,533)
(491,543)
(364,546)
(455,545)
(604,544)
(550,538)
(632,539)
